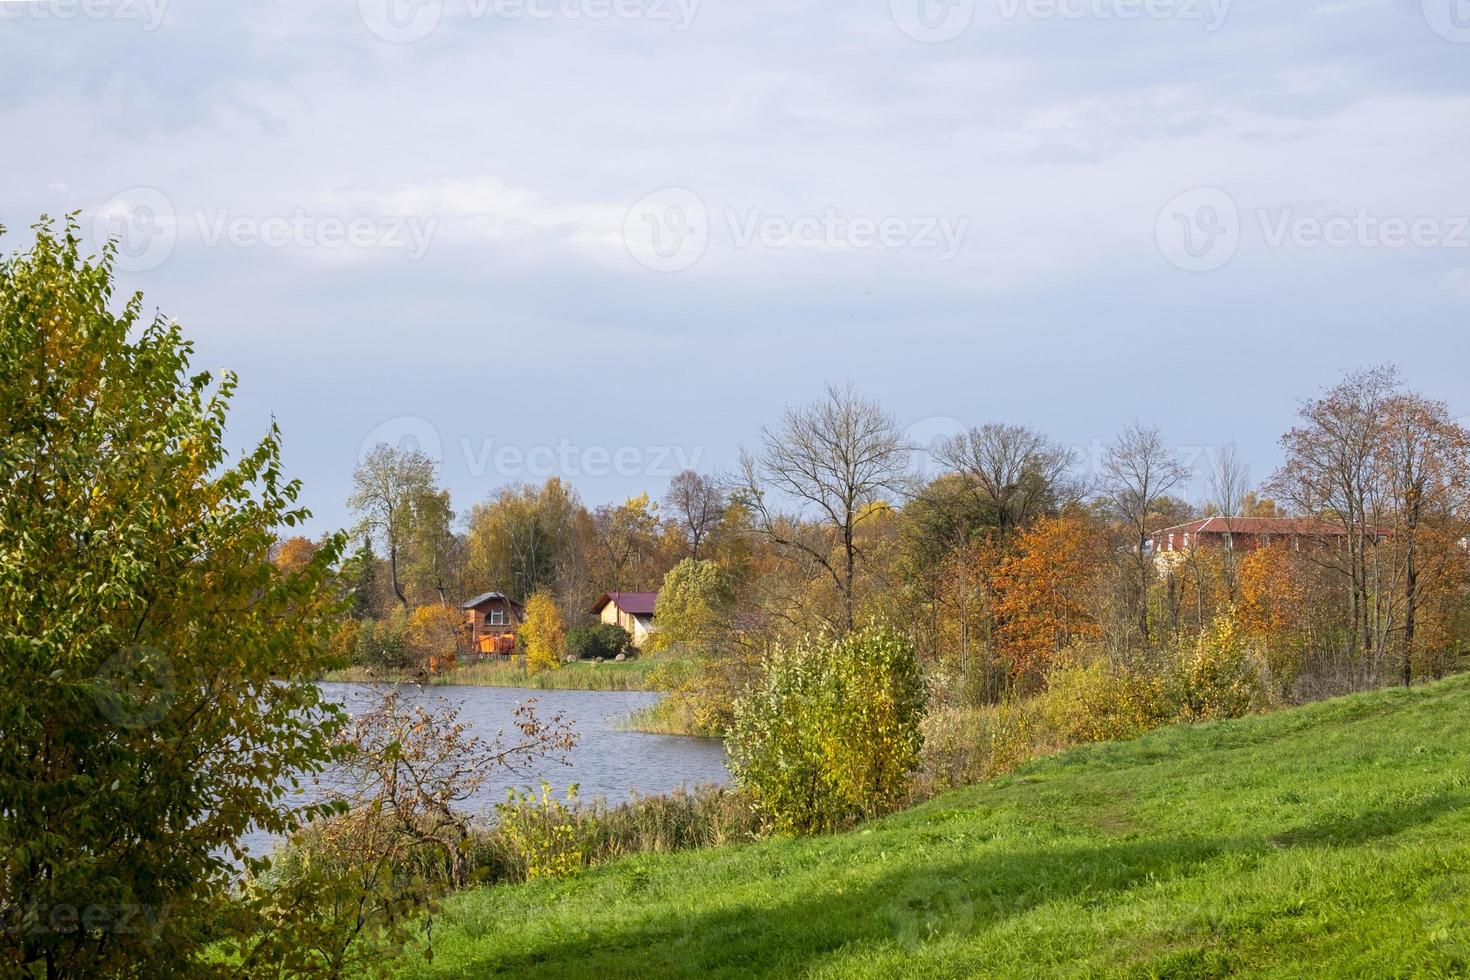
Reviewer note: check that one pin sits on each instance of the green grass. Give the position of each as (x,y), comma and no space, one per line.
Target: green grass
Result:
(1332,839)
(631,675)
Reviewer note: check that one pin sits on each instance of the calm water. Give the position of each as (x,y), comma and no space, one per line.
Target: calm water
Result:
(606,762)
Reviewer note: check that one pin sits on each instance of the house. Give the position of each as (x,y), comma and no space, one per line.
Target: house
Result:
(491,620)
(1246,534)
(633,611)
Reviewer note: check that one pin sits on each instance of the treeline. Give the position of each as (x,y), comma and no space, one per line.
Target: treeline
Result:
(1016,556)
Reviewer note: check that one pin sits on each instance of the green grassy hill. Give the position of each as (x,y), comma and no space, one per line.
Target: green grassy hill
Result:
(1333,839)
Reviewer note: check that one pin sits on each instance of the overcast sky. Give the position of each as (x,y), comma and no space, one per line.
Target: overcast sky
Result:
(611,238)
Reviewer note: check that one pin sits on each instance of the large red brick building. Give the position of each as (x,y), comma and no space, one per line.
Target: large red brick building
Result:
(1247,534)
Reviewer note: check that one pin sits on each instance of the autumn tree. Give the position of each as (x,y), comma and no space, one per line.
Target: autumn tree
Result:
(293,555)
(693,607)
(392,487)
(1138,471)
(626,538)
(525,539)
(155,665)
(1015,474)
(541,634)
(1045,593)
(832,459)
(695,506)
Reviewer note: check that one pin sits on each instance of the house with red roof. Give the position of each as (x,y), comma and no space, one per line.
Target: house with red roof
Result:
(633,611)
(1247,534)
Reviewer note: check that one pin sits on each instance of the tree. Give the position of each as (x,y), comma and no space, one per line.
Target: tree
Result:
(433,636)
(696,506)
(293,555)
(1427,473)
(834,459)
(389,486)
(1138,471)
(693,607)
(1229,480)
(1331,470)
(1045,592)
(625,538)
(524,540)
(154,664)
(542,635)
(1016,474)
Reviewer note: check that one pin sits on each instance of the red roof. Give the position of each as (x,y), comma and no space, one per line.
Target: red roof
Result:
(633,603)
(1307,526)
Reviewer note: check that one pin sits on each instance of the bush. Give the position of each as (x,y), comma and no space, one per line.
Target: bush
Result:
(1088,699)
(605,640)
(971,745)
(384,642)
(1221,677)
(831,733)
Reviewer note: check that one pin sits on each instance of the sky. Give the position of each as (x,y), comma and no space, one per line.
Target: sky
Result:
(610,239)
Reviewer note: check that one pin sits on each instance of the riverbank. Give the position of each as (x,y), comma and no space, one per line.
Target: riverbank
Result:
(637,674)
(1336,835)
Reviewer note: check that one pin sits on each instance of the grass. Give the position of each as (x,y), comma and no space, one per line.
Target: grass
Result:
(1332,839)
(631,675)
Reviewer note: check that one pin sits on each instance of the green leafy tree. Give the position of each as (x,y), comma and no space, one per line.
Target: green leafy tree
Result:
(693,607)
(153,660)
(831,733)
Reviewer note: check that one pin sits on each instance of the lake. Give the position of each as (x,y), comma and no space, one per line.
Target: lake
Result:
(606,762)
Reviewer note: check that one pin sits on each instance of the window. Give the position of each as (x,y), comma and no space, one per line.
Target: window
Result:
(495,617)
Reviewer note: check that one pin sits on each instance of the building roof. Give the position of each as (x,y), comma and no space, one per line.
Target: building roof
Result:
(1310,526)
(632,603)
(485,597)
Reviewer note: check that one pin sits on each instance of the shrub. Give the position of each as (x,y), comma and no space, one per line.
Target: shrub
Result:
(1221,677)
(432,636)
(605,640)
(831,732)
(970,745)
(1088,699)
(384,642)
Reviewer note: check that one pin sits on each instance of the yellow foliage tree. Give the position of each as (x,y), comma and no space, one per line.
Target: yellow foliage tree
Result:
(433,635)
(542,635)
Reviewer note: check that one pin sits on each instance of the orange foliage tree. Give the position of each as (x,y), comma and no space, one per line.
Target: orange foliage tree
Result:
(1044,593)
